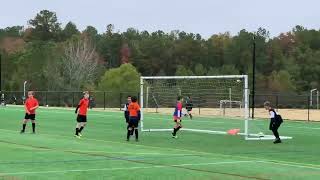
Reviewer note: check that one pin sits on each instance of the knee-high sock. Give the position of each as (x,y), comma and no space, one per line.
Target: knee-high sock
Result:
(276,134)
(33,127)
(24,127)
(136,133)
(81,128)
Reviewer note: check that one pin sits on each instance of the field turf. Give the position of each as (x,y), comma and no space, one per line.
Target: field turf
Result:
(103,153)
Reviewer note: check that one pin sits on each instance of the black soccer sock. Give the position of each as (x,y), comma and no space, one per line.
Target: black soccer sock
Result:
(33,127)
(24,127)
(136,133)
(77,131)
(190,116)
(177,129)
(276,134)
(128,134)
(81,128)
(174,131)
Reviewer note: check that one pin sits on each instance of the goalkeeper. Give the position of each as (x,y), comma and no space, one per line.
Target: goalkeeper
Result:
(275,122)
(189,106)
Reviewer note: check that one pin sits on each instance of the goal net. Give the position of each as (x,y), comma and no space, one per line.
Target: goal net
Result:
(219,104)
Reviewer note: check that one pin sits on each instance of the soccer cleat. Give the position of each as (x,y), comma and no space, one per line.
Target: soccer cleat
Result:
(277,141)
(174,136)
(21,132)
(79,134)
(137,140)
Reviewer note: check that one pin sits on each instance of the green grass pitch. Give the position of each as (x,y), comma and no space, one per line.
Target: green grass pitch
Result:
(103,153)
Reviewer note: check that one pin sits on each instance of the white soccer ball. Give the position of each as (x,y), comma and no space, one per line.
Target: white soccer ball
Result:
(260,134)
(238,81)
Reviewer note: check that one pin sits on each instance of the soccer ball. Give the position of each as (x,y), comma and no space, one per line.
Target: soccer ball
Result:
(260,134)
(238,80)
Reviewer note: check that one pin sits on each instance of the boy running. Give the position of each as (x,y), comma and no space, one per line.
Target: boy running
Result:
(134,118)
(177,117)
(82,114)
(275,121)
(30,107)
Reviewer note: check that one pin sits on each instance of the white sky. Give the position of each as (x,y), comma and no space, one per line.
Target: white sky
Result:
(205,17)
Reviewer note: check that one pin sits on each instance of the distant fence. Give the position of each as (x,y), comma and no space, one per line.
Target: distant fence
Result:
(98,99)
(107,99)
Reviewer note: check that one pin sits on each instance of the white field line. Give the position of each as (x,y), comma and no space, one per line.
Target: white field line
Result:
(292,165)
(289,163)
(126,168)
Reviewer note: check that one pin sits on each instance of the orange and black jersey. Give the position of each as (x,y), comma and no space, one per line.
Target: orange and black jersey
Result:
(134,110)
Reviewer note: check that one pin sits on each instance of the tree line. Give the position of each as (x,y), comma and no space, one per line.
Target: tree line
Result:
(51,57)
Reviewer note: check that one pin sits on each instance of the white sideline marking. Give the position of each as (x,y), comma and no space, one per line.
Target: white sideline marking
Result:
(126,168)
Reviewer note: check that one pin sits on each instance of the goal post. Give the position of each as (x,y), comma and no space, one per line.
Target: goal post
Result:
(158,97)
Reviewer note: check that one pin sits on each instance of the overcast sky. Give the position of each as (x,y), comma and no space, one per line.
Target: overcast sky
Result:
(206,17)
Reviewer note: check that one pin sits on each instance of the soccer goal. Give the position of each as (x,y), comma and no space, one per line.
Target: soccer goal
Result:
(220,103)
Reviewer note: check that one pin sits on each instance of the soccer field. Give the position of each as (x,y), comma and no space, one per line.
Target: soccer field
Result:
(103,153)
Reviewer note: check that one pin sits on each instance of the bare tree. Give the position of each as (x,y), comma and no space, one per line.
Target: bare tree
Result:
(79,63)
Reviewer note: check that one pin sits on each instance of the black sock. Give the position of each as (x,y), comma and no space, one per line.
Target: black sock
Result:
(128,134)
(177,129)
(190,116)
(276,134)
(33,127)
(81,128)
(24,127)
(174,131)
(137,133)
(77,131)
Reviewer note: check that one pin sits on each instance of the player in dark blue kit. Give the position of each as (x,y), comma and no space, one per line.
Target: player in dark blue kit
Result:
(275,121)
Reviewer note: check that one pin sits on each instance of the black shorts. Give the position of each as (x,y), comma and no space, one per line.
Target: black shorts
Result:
(189,109)
(275,125)
(133,122)
(127,118)
(81,118)
(30,116)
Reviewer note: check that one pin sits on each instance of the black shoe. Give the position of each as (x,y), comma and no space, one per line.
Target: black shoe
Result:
(33,132)
(22,131)
(128,140)
(137,140)
(277,141)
